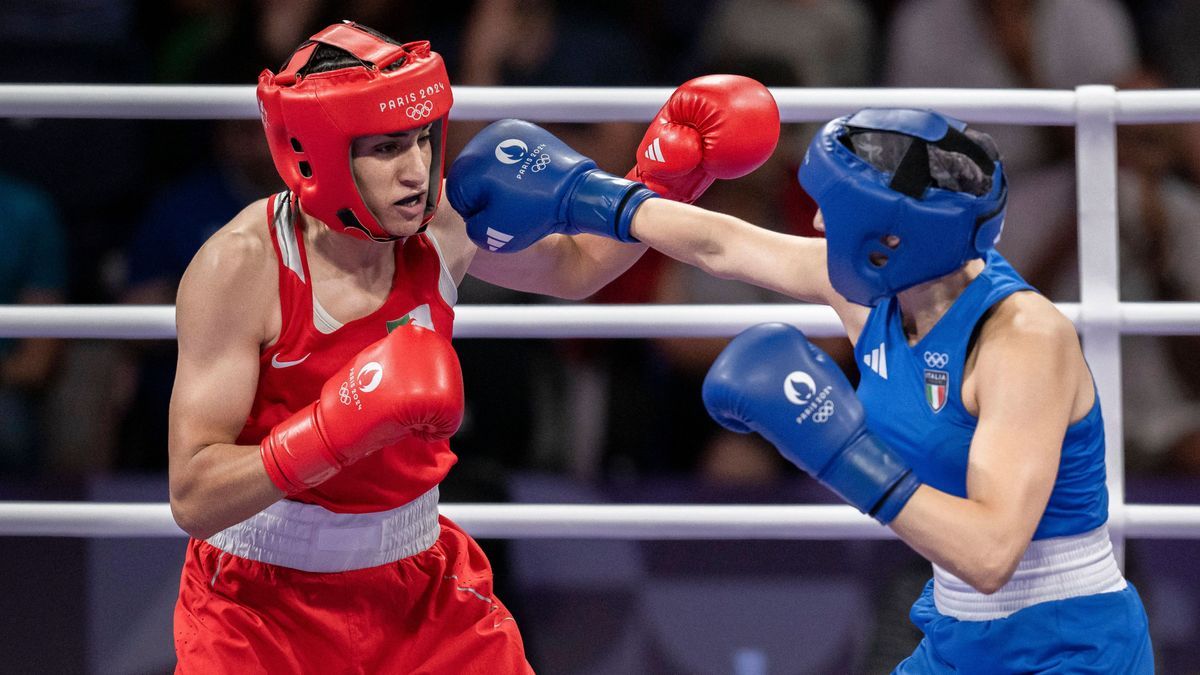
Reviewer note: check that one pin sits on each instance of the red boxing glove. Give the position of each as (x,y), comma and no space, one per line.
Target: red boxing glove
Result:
(715,126)
(407,384)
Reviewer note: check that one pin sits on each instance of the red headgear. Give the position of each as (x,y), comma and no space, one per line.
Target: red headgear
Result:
(311,119)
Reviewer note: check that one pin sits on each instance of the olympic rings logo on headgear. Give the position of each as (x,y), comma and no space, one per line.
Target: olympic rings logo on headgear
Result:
(419,111)
(540,163)
(823,413)
(936,359)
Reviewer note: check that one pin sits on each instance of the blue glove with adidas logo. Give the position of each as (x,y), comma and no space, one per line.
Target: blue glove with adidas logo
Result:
(515,183)
(772,380)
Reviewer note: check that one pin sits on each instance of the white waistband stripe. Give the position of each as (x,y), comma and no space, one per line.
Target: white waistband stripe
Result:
(1051,569)
(313,539)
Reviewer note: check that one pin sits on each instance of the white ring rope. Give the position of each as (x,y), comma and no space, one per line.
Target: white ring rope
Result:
(597,104)
(556,321)
(575,521)
(1093,110)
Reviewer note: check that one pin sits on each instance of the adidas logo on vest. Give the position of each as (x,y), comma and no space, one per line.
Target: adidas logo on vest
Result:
(877,361)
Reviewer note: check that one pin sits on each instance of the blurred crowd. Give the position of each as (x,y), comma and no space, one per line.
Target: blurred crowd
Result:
(111,211)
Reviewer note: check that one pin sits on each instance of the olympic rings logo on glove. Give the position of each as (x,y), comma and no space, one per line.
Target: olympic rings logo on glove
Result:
(344,393)
(419,111)
(823,413)
(540,163)
(936,359)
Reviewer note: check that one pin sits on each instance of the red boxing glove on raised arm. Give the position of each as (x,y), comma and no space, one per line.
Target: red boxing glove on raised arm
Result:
(407,384)
(715,126)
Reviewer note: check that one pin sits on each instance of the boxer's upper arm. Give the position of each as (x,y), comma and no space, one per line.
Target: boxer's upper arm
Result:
(571,267)
(222,313)
(1026,374)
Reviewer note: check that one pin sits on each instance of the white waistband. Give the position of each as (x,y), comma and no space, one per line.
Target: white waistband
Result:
(310,538)
(1051,569)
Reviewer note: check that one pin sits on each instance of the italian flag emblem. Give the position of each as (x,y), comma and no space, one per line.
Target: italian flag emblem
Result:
(937,386)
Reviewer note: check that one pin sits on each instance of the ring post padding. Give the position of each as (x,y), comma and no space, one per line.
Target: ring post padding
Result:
(1099,293)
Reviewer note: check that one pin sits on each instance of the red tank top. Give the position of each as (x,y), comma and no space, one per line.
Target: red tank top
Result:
(292,371)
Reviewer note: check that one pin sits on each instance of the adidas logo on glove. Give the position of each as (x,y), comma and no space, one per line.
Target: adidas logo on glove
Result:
(654,151)
(497,239)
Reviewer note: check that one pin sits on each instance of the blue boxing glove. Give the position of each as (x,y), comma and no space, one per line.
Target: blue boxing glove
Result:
(772,380)
(515,183)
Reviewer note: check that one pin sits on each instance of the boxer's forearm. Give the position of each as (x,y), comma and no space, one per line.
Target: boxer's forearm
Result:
(218,486)
(731,248)
(965,537)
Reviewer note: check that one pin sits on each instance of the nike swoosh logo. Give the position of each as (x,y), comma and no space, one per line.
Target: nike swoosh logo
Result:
(276,363)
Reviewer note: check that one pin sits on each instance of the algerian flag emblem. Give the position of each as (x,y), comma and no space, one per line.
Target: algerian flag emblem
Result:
(419,315)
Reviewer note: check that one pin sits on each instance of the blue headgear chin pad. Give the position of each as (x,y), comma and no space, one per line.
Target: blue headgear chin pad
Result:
(939,230)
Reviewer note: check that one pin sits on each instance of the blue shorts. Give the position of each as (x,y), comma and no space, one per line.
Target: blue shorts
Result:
(1103,633)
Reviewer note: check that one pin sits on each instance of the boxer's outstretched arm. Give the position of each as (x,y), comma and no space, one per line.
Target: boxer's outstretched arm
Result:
(569,267)
(223,300)
(716,126)
(731,248)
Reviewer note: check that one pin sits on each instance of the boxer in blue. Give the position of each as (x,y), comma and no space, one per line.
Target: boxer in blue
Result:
(976,433)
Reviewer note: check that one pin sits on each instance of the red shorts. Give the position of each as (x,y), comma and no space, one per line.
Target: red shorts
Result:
(432,613)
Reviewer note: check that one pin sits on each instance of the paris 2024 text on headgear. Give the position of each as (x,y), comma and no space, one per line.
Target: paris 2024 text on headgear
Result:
(311,118)
(937,230)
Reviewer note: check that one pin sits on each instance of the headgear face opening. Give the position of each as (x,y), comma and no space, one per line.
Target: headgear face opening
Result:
(939,230)
(312,119)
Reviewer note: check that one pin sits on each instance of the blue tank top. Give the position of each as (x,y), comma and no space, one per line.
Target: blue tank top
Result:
(913,400)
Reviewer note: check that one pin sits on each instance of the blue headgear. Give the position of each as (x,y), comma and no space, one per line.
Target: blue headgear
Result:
(939,230)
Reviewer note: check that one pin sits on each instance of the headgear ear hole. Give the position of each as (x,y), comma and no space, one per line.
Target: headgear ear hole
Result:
(891,241)
(878,260)
(305,170)
(296,145)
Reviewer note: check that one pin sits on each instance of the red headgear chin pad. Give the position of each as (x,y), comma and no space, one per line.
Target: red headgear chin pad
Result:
(312,119)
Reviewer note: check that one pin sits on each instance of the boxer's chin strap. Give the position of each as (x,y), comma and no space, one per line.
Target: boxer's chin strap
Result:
(351,222)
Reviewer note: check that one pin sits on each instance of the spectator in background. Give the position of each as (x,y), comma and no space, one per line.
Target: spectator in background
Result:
(179,220)
(1054,44)
(1051,44)
(745,38)
(581,45)
(1169,29)
(1157,203)
(825,43)
(32,272)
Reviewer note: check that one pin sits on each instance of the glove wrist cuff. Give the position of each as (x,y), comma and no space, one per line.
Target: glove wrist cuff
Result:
(295,456)
(604,204)
(871,477)
(893,502)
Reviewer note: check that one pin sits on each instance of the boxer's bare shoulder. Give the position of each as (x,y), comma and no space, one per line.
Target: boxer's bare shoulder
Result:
(235,275)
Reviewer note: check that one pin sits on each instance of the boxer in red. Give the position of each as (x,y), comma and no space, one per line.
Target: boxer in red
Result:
(317,386)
